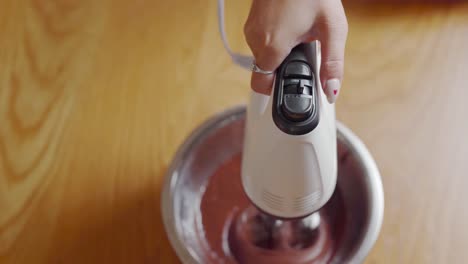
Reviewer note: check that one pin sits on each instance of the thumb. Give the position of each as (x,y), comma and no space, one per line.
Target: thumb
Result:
(333,35)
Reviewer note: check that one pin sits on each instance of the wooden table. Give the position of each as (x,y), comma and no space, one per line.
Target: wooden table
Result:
(96,96)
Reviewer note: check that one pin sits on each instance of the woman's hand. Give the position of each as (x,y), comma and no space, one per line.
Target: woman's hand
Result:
(274,27)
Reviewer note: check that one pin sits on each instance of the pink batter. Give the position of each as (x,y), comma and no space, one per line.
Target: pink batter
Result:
(236,232)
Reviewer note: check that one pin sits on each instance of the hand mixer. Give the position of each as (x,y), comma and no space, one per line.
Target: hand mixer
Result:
(289,164)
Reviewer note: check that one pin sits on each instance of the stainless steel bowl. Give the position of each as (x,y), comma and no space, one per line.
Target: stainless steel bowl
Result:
(359,184)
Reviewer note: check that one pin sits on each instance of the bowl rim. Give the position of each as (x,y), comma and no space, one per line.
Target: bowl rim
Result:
(356,146)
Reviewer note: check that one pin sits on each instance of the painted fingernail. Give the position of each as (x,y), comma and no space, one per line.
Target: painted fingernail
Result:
(332,88)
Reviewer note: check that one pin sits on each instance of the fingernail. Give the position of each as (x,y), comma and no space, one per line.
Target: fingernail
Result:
(332,88)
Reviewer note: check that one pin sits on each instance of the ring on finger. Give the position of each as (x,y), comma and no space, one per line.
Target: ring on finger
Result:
(257,69)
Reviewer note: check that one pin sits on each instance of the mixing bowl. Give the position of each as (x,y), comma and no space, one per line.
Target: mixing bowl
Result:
(219,139)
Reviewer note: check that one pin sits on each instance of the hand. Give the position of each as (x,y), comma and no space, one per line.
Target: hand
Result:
(274,27)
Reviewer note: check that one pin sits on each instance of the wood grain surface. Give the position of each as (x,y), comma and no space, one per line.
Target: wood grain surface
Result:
(96,96)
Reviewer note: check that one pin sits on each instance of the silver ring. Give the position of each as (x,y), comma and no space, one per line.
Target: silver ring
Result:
(257,69)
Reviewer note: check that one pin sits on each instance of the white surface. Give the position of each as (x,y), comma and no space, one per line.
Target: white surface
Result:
(285,175)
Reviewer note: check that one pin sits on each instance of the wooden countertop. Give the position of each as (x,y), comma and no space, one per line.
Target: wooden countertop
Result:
(96,96)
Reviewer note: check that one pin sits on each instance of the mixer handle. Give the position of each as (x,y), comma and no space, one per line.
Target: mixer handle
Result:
(295,106)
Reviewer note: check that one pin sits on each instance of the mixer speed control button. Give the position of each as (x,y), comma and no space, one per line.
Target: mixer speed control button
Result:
(298,69)
(297,107)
